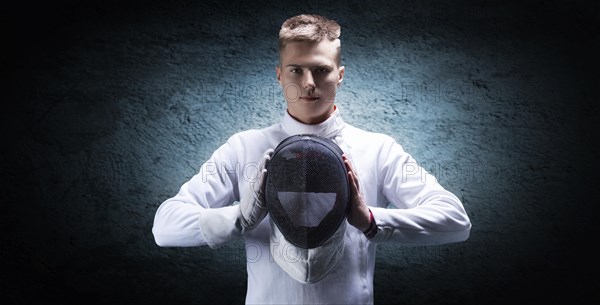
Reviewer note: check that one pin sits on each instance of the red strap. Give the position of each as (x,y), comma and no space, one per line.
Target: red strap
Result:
(372,230)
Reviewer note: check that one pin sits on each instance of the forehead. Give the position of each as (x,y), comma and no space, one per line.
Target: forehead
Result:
(303,53)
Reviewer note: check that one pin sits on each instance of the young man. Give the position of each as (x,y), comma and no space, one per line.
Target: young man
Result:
(381,174)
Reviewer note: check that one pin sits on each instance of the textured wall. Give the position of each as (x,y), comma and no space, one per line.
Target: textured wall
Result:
(117,104)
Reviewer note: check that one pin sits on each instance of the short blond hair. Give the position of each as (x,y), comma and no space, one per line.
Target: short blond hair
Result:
(309,28)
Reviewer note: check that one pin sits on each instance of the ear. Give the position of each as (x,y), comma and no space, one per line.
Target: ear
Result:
(278,72)
(341,72)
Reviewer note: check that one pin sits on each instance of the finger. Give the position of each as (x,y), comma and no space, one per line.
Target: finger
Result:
(267,156)
(269,152)
(353,193)
(263,181)
(350,168)
(353,184)
(348,165)
(345,158)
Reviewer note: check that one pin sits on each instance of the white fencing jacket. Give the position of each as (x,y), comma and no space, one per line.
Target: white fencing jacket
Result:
(408,204)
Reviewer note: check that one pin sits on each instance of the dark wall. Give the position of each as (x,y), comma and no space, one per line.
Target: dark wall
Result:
(111,106)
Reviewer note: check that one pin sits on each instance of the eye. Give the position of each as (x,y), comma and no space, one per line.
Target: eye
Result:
(296,70)
(322,70)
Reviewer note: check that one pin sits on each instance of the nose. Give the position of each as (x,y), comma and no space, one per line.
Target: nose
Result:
(308,82)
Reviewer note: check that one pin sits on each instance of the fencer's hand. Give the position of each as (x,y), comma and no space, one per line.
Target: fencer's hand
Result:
(358,215)
(252,203)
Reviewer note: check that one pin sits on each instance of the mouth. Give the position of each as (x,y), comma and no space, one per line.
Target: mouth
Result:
(309,98)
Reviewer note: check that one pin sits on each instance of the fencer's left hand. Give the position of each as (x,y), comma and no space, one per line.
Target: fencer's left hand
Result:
(358,215)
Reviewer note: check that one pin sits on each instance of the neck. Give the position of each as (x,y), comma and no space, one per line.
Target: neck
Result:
(312,120)
(329,128)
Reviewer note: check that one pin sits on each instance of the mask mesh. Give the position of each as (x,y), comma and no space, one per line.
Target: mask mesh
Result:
(307,190)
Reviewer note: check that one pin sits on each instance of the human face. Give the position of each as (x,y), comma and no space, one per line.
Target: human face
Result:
(310,76)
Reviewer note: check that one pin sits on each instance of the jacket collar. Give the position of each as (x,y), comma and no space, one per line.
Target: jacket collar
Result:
(329,128)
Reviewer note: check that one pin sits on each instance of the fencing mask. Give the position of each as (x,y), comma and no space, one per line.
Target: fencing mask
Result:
(307,195)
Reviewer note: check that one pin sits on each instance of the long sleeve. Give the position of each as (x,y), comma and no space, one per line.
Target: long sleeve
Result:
(425,212)
(202,212)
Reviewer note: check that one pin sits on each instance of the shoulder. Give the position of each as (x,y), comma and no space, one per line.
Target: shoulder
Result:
(246,135)
(361,136)
(257,135)
(250,144)
(375,146)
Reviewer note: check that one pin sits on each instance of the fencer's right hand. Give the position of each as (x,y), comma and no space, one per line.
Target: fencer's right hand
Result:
(252,202)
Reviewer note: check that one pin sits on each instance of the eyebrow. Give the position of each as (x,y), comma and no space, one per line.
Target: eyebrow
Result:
(316,66)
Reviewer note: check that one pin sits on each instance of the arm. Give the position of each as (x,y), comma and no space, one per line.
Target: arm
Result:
(201,213)
(426,213)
